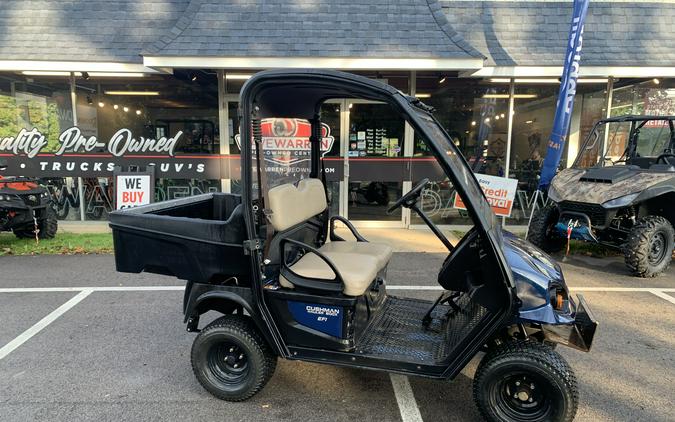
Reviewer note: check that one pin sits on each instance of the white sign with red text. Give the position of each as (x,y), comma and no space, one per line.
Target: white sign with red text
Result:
(499,191)
(133,190)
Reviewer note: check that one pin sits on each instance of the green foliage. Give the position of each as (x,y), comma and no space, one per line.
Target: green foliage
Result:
(62,244)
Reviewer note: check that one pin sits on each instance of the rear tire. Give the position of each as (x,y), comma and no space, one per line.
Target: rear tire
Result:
(540,232)
(649,247)
(525,381)
(231,359)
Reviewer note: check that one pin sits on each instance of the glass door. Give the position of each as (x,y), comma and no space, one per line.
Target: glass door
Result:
(375,166)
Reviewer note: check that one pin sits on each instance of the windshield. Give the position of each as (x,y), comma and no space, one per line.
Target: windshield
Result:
(625,143)
(461,172)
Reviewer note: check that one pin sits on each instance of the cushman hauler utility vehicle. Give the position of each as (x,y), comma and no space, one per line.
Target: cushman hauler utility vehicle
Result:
(620,192)
(272,262)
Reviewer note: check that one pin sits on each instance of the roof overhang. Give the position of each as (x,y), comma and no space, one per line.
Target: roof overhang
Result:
(340,63)
(73,66)
(584,71)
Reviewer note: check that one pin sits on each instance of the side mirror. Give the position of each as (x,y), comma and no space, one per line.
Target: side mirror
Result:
(3,164)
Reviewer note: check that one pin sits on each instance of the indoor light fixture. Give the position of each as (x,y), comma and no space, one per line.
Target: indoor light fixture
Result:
(545,80)
(101,104)
(126,109)
(420,95)
(138,112)
(656,81)
(89,74)
(473,123)
(442,80)
(507,96)
(116,106)
(528,122)
(238,76)
(131,93)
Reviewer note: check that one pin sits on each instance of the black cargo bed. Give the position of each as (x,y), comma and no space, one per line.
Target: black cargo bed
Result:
(199,238)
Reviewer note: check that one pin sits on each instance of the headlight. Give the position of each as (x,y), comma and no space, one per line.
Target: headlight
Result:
(559,298)
(553,194)
(621,201)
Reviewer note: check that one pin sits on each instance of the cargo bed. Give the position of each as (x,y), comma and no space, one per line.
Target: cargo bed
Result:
(199,238)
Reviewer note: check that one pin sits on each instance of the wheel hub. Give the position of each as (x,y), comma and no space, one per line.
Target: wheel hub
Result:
(657,248)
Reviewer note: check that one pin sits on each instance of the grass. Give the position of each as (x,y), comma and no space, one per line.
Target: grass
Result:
(62,244)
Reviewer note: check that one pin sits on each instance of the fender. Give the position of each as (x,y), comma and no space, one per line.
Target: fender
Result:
(201,297)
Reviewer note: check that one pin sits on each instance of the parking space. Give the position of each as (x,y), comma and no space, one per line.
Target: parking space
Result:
(123,354)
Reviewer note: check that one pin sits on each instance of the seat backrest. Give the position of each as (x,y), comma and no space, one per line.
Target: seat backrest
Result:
(291,205)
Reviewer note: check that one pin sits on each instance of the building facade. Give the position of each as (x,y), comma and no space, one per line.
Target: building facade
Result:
(88,86)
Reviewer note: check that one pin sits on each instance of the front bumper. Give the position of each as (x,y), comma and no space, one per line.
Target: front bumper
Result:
(578,335)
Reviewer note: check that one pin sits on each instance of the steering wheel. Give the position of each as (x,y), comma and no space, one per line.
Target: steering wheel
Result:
(409,198)
(664,157)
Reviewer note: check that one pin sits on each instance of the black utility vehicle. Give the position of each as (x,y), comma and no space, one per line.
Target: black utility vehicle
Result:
(620,192)
(26,207)
(272,262)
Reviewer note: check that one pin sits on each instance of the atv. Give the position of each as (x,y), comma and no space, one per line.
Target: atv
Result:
(26,207)
(288,285)
(620,192)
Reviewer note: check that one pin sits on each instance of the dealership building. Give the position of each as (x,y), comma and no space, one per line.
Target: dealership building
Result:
(85,84)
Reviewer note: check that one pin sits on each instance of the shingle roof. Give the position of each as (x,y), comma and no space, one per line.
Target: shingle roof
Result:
(314,28)
(83,30)
(534,33)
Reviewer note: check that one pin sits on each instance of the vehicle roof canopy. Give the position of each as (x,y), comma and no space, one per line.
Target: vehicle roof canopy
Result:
(300,93)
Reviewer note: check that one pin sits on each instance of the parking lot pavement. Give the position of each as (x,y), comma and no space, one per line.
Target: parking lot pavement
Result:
(124,355)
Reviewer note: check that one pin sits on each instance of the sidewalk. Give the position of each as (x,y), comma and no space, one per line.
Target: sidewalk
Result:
(402,240)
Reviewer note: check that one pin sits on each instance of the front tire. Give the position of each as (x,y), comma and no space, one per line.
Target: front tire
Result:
(48,227)
(649,247)
(525,381)
(541,229)
(231,359)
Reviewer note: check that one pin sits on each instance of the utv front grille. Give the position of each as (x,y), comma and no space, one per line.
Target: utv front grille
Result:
(595,212)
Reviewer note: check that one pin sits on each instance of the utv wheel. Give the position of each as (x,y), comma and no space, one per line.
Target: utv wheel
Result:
(649,247)
(49,225)
(525,381)
(231,360)
(541,229)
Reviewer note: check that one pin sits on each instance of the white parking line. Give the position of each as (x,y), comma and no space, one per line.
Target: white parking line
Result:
(26,335)
(389,287)
(405,398)
(662,295)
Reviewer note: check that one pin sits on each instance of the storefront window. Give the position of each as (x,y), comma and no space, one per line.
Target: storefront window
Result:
(475,114)
(654,97)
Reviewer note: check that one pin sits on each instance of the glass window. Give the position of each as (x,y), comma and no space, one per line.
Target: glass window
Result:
(654,97)
(474,113)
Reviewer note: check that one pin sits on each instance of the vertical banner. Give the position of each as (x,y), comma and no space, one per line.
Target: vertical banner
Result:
(568,89)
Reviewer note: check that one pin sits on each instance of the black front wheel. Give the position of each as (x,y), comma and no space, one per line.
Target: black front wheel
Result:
(525,381)
(541,232)
(231,360)
(649,247)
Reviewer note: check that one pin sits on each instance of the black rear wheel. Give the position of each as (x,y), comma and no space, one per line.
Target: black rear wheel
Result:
(649,247)
(231,360)
(541,233)
(525,381)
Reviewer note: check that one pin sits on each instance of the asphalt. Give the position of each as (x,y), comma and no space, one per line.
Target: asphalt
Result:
(122,355)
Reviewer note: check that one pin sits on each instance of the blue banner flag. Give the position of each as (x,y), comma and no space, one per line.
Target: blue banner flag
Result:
(568,88)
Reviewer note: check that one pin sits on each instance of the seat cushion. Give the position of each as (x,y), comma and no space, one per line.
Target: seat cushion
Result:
(291,205)
(357,271)
(381,252)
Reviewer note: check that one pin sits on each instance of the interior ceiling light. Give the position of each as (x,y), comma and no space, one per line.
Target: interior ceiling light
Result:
(656,81)
(442,80)
(423,95)
(132,93)
(85,75)
(126,109)
(238,76)
(507,96)
(101,104)
(116,106)
(546,80)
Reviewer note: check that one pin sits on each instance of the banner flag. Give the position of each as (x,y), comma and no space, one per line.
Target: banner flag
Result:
(568,89)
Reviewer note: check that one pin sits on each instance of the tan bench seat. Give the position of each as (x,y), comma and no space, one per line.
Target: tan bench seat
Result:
(381,252)
(357,270)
